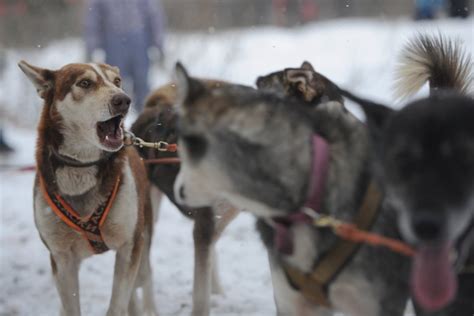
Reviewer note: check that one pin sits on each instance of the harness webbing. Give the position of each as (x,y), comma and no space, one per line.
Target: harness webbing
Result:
(89,226)
(314,285)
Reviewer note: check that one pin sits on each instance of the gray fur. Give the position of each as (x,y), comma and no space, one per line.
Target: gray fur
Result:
(425,157)
(258,156)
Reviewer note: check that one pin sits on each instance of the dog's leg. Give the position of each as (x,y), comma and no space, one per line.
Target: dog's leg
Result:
(65,267)
(226,214)
(134,306)
(127,261)
(156,197)
(144,280)
(203,234)
(216,287)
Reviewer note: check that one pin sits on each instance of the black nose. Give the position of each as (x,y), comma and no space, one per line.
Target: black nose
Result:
(427,229)
(182,195)
(120,103)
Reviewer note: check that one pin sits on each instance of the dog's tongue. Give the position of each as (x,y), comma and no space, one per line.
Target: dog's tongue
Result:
(433,279)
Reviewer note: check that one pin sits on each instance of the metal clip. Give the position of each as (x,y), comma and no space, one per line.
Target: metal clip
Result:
(326,221)
(131,140)
(161,146)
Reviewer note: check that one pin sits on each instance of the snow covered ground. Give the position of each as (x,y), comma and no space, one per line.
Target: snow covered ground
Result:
(357,54)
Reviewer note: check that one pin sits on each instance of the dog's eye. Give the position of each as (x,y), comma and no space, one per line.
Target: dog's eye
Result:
(117,82)
(196,145)
(85,83)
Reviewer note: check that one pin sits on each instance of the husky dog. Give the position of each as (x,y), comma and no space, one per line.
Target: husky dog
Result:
(91,194)
(254,150)
(158,123)
(425,158)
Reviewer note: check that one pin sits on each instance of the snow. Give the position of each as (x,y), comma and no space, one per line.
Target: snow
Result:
(358,54)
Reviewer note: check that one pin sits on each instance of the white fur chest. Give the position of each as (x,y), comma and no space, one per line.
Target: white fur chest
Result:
(76,181)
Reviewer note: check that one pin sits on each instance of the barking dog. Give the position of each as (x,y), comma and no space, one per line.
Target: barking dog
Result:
(425,158)
(158,123)
(261,152)
(90,193)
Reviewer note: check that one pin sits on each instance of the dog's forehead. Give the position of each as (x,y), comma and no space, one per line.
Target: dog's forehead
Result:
(104,71)
(109,71)
(73,70)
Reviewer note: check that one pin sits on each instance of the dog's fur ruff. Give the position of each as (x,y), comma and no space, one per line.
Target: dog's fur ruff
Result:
(76,98)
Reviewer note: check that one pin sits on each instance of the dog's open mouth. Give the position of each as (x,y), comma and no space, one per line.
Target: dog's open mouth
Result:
(110,132)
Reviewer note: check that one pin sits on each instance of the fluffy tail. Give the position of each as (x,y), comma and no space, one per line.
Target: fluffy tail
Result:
(440,61)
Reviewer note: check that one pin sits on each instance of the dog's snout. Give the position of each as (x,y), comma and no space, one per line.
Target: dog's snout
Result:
(121,102)
(427,229)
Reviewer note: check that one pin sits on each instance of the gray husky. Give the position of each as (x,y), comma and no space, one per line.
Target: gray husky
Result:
(258,151)
(425,158)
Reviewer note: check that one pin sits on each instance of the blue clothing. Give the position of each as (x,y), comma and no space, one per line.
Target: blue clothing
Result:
(125,30)
(426,9)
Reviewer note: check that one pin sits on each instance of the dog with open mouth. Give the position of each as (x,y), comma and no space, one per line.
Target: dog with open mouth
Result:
(424,156)
(268,155)
(91,193)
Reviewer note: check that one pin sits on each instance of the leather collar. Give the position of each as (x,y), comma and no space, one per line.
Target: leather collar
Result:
(71,162)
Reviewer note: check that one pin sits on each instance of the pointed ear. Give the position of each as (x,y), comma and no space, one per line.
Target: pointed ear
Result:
(303,80)
(187,88)
(306,65)
(42,79)
(377,115)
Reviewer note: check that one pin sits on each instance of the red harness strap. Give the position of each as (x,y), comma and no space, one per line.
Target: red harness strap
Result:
(88,226)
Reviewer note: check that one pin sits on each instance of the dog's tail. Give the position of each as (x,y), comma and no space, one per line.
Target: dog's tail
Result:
(434,59)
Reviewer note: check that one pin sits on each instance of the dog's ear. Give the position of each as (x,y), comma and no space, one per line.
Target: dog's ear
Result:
(376,114)
(187,88)
(42,79)
(306,65)
(303,79)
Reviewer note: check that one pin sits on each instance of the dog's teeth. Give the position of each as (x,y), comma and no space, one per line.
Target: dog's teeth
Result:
(106,137)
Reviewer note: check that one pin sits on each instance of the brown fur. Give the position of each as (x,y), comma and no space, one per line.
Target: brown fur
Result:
(66,246)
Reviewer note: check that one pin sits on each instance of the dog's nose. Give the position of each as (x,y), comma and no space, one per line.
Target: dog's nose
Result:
(427,229)
(120,102)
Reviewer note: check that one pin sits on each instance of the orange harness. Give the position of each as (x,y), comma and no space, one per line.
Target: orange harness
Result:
(89,226)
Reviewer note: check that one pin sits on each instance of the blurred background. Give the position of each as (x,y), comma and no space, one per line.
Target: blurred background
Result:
(60,31)
(24,22)
(355,43)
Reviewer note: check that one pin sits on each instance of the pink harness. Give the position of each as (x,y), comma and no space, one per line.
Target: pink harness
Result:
(283,240)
